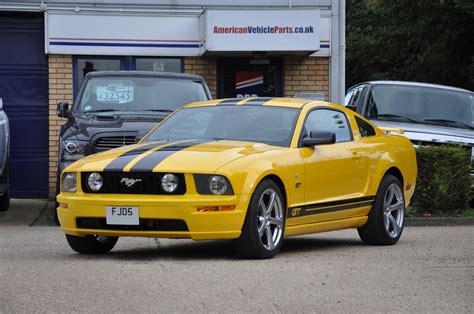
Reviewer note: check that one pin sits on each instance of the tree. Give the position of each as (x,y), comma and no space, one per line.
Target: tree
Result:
(424,41)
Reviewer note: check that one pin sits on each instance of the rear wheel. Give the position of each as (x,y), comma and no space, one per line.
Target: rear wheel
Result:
(91,244)
(387,217)
(263,230)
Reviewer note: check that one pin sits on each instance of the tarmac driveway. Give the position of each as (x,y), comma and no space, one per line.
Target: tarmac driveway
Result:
(430,270)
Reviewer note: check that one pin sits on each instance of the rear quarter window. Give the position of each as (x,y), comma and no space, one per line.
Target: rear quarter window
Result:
(365,129)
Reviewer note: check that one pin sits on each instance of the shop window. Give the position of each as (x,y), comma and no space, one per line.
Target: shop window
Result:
(85,64)
(158,64)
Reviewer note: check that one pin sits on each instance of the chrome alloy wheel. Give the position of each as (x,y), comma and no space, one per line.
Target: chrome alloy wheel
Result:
(270,219)
(394,210)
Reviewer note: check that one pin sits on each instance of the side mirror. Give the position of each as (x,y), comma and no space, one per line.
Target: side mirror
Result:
(63,110)
(1,103)
(319,138)
(140,135)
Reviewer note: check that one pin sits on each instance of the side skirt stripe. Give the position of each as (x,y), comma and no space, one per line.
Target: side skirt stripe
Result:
(322,208)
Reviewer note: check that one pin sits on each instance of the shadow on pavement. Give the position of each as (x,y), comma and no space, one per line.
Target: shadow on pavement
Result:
(219,250)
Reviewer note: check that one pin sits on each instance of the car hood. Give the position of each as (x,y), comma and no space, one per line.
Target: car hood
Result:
(432,133)
(82,128)
(191,156)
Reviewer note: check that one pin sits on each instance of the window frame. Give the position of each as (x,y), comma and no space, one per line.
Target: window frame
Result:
(351,135)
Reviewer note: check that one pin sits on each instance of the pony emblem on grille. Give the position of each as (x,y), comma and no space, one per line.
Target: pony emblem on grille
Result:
(130,182)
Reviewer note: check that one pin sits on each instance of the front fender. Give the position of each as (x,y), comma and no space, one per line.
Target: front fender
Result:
(246,173)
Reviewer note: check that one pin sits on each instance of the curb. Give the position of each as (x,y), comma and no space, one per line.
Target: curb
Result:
(441,221)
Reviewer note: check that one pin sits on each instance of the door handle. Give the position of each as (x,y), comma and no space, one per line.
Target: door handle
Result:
(355,156)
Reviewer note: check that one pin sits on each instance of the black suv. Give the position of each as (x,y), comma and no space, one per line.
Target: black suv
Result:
(116,108)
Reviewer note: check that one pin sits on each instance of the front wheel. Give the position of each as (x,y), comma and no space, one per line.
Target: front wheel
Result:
(91,244)
(387,217)
(5,201)
(263,230)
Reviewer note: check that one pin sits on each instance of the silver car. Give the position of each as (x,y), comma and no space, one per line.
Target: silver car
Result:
(4,159)
(428,113)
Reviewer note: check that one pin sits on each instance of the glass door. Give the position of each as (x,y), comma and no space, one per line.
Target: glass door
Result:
(247,77)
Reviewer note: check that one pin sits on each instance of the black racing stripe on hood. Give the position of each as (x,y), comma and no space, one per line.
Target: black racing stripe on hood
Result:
(257,101)
(229,102)
(153,159)
(121,161)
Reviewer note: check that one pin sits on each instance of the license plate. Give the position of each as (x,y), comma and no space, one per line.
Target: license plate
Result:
(122,215)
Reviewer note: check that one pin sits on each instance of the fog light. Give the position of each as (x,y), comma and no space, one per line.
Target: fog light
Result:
(169,182)
(95,181)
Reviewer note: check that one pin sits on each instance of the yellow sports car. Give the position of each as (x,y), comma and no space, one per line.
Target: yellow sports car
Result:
(253,170)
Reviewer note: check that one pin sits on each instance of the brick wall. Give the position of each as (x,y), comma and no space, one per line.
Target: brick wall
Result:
(206,67)
(306,74)
(60,89)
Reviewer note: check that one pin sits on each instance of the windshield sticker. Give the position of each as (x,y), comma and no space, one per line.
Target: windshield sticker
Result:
(117,94)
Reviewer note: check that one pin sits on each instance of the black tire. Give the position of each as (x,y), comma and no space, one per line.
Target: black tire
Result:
(250,244)
(374,231)
(91,244)
(56,204)
(5,179)
(5,201)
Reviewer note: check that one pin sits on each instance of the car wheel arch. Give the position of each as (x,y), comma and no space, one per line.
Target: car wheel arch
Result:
(279,182)
(395,171)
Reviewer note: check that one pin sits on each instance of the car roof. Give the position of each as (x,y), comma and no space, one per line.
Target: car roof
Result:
(258,101)
(406,83)
(145,73)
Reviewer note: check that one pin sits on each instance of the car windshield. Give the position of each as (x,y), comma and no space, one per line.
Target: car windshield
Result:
(138,93)
(262,124)
(418,104)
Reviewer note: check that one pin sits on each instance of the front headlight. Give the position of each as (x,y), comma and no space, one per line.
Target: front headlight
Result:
(73,149)
(69,182)
(212,184)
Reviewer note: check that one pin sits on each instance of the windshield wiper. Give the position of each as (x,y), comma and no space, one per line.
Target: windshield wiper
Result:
(102,110)
(449,122)
(389,115)
(159,110)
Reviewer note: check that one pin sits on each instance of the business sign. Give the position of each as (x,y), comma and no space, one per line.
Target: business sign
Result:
(88,34)
(248,84)
(262,30)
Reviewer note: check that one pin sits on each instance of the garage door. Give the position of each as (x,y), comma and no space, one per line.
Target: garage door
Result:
(24,89)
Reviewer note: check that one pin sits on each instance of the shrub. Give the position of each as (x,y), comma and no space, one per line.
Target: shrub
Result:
(443,184)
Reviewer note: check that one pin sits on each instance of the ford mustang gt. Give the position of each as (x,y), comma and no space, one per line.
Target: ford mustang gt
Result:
(253,170)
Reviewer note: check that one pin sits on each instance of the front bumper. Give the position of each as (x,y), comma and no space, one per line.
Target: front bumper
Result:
(200,225)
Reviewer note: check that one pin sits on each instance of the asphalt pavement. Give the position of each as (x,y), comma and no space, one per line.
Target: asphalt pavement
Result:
(430,270)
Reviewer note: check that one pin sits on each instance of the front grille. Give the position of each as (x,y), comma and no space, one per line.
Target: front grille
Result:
(109,142)
(147,183)
(145,225)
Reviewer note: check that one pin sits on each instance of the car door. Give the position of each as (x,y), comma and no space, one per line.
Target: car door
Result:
(334,173)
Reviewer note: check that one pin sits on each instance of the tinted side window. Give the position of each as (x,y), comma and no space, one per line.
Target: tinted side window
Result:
(354,97)
(330,121)
(365,129)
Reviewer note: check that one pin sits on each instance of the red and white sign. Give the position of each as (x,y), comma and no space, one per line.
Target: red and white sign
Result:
(248,84)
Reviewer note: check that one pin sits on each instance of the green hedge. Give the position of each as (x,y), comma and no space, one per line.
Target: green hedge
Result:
(443,184)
